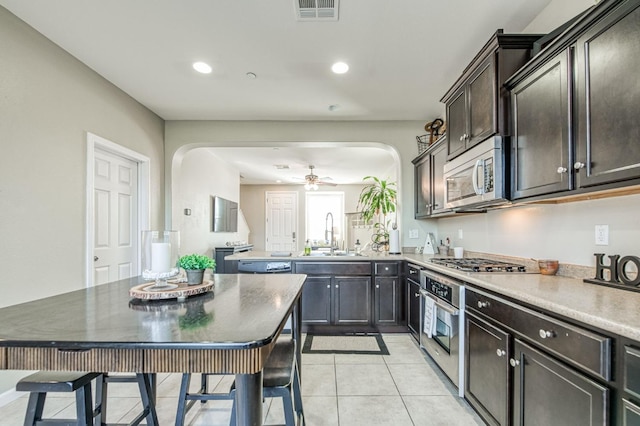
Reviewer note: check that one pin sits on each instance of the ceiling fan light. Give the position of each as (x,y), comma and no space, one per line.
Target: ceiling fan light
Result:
(314,186)
(307,186)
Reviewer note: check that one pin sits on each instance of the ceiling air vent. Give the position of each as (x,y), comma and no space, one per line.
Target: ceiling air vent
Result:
(316,10)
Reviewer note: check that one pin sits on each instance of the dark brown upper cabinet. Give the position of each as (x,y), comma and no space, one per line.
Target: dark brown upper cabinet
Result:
(477,105)
(574,108)
(540,145)
(608,99)
(429,180)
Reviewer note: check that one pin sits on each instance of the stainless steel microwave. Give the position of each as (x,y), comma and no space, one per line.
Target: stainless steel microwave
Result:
(476,178)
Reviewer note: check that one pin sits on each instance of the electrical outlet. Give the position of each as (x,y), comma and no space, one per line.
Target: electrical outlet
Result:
(413,233)
(460,235)
(602,235)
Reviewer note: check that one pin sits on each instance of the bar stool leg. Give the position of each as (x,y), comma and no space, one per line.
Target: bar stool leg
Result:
(84,409)
(35,408)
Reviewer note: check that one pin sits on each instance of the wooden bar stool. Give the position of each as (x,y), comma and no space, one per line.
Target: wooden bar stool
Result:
(280,378)
(40,383)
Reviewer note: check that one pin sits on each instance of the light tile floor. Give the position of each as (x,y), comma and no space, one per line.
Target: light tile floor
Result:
(403,388)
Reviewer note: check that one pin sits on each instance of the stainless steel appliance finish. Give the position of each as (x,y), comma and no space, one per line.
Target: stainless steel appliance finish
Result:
(446,344)
(476,178)
(476,264)
(264,266)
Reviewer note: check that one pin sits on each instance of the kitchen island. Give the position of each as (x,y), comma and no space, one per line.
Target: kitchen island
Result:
(231,330)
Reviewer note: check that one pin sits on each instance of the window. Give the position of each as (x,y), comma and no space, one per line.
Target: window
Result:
(317,207)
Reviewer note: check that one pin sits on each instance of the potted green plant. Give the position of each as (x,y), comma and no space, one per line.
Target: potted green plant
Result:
(195,265)
(378,199)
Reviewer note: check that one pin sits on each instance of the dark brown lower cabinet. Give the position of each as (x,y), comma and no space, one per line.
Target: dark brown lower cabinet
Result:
(547,392)
(413,307)
(487,374)
(351,300)
(316,301)
(386,309)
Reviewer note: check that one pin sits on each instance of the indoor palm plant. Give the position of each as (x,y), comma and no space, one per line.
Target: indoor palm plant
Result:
(377,200)
(195,265)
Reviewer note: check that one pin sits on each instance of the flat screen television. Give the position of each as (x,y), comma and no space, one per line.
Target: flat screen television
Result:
(224,215)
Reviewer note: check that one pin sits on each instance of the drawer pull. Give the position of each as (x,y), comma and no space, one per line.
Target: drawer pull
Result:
(482,304)
(501,352)
(546,334)
(514,362)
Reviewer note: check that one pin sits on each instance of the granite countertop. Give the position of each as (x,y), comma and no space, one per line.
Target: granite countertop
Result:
(267,255)
(606,308)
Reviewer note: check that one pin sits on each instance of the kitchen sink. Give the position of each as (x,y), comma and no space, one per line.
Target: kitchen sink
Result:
(337,253)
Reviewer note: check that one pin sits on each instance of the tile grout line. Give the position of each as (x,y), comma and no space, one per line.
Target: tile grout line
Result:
(399,393)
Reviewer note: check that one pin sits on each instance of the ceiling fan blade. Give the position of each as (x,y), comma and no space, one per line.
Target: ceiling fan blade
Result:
(326,183)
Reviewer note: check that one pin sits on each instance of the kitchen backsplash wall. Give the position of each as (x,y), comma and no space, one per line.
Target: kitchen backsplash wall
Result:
(558,231)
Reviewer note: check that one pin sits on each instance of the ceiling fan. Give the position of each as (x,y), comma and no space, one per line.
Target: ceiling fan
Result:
(312,180)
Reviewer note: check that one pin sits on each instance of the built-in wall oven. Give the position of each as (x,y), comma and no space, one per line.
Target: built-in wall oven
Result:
(442,323)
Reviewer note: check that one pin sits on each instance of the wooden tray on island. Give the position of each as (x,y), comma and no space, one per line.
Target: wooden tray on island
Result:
(182,291)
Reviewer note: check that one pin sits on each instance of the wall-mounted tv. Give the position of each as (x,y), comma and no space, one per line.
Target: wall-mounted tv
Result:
(224,215)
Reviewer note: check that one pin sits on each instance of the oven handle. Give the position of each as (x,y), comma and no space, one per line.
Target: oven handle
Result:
(440,304)
(474,178)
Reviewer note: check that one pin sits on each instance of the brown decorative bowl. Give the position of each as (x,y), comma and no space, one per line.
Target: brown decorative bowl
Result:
(548,267)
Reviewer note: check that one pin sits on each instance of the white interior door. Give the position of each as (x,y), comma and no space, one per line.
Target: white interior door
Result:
(282,221)
(115,217)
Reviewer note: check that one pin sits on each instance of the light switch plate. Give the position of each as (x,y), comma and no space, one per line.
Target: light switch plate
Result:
(413,233)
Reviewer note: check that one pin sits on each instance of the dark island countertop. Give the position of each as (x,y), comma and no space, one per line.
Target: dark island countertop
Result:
(242,312)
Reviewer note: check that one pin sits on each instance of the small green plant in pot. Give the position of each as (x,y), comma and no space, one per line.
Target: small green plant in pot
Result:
(195,265)
(377,200)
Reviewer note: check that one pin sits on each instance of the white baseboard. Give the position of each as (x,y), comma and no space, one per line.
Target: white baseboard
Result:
(9,396)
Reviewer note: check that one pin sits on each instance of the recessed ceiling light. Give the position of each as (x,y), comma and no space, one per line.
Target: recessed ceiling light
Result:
(252,75)
(339,68)
(202,67)
(333,107)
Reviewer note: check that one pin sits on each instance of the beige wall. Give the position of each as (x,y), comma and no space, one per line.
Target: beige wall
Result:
(252,201)
(48,101)
(202,176)
(399,137)
(557,13)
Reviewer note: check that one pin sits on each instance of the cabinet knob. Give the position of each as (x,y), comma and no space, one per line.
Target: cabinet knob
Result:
(328,285)
(416,294)
(544,334)
(514,362)
(377,285)
(386,268)
(95,258)
(579,165)
(337,286)
(561,170)
(482,304)
(461,138)
(501,352)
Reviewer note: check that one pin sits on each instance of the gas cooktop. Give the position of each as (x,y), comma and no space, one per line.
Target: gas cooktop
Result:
(474,264)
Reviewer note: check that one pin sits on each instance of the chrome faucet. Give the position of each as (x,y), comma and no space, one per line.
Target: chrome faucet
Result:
(326,231)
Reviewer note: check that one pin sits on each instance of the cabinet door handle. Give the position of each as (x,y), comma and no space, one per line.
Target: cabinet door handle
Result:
(514,362)
(579,165)
(561,170)
(501,352)
(544,334)
(482,304)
